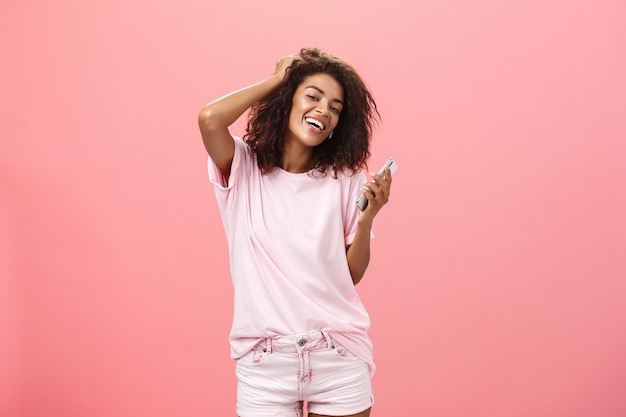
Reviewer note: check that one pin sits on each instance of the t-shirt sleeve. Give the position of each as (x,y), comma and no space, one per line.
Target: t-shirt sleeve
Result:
(217,178)
(351,214)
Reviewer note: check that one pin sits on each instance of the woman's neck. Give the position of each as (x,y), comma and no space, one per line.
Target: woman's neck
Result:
(297,159)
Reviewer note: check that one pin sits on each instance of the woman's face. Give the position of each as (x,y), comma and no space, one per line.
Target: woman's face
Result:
(315,109)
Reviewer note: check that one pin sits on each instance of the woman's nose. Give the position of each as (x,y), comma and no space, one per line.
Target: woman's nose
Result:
(321,109)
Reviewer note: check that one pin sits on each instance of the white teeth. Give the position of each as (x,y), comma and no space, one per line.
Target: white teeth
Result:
(314,122)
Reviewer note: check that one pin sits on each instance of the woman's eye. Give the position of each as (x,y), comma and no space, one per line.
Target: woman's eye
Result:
(313,98)
(334,110)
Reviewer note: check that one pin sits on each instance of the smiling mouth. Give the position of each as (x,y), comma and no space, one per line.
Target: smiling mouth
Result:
(315,123)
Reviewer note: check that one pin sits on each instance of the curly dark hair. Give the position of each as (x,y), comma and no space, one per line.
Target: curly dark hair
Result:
(349,148)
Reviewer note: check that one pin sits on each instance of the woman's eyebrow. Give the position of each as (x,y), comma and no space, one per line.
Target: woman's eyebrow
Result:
(322,92)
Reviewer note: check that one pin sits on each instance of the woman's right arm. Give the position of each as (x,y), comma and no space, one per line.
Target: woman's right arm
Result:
(215,118)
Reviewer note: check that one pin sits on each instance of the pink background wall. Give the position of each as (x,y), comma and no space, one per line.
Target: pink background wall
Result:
(498,281)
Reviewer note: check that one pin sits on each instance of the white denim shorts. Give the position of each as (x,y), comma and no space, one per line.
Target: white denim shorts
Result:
(279,375)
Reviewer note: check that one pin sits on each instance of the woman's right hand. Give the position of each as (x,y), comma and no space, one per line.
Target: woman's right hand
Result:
(283,64)
(216,117)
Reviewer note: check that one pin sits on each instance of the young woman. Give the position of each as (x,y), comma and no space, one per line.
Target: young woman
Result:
(298,243)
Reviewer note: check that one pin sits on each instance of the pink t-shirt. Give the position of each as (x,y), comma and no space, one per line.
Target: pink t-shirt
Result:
(287,235)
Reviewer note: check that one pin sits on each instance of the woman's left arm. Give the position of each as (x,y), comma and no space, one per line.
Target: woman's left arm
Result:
(358,253)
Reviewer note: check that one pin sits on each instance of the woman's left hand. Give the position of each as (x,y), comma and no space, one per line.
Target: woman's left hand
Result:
(377,193)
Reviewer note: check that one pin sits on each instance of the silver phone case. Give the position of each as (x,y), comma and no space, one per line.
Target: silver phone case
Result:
(362,201)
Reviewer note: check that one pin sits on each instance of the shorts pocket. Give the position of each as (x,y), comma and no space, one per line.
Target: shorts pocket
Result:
(342,352)
(253,358)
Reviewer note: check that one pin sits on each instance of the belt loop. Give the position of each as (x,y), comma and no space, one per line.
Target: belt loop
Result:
(268,345)
(329,341)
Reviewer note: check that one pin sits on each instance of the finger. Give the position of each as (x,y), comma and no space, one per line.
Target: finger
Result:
(372,201)
(380,179)
(388,174)
(381,182)
(283,64)
(369,191)
(377,193)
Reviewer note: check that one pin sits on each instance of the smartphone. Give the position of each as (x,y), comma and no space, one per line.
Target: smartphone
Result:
(362,202)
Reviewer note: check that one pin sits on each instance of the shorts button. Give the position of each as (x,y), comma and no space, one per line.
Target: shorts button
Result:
(301,342)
